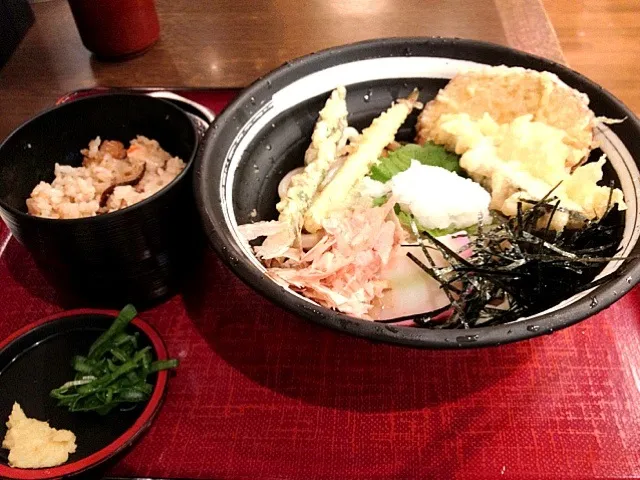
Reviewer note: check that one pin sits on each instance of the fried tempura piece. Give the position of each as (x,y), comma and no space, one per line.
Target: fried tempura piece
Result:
(522,134)
(319,158)
(368,148)
(506,93)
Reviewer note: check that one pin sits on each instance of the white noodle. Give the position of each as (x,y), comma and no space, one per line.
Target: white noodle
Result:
(283,186)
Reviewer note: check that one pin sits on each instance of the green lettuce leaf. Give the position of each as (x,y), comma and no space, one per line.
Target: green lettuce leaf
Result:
(378,202)
(400,160)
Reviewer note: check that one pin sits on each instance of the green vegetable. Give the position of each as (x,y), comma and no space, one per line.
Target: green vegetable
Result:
(400,160)
(114,372)
(378,202)
(103,343)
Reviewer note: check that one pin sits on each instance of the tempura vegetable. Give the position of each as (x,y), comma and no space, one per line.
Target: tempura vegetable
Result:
(525,159)
(370,145)
(506,93)
(319,158)
(520,134)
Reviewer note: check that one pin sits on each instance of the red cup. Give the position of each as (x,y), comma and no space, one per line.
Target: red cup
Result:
(116,28)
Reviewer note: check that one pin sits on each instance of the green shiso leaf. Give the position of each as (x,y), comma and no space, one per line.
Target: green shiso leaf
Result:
(400,160)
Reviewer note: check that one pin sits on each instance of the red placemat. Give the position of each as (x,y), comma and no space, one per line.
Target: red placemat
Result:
(263,394)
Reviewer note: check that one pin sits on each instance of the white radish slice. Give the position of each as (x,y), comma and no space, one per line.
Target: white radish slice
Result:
(412,291)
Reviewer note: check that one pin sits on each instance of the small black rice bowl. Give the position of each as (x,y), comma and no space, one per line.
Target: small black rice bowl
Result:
(137,254)
(263,134)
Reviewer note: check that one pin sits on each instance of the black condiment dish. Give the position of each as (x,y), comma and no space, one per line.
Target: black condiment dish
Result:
(138,254)
(37,358)
(264,133)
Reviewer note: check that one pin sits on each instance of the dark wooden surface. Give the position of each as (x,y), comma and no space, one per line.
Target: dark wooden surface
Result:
(228,43)
(15,19)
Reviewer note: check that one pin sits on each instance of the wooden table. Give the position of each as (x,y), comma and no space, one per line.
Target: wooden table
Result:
(599,39)
(228,43)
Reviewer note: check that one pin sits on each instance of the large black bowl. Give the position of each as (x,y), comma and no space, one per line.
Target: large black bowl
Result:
(137,254)
(265,131)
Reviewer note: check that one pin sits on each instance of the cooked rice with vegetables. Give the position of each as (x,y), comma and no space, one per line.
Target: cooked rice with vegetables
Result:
(110,178)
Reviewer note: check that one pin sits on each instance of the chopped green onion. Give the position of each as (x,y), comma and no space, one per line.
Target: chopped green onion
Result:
(113,373)
(101,345)
(163,365)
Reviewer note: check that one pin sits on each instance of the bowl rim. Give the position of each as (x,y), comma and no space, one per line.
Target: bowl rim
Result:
(227,249)
(110,215)
(133,433)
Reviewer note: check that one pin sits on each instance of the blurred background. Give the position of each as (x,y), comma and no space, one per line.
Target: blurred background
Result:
(601,39)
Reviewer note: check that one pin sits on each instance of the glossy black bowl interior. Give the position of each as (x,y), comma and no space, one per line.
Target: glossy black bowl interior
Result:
(39,361)
(276,145)
(137,254)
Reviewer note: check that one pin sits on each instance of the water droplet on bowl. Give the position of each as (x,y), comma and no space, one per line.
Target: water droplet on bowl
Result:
(252,100)
(509,332)
(267,146)
(629,280)
(594,302)
(273,125)
(407,51)
(467,338)
(533,328)
(268,83)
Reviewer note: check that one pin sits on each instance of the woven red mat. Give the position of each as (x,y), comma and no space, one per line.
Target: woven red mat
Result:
(263,394)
